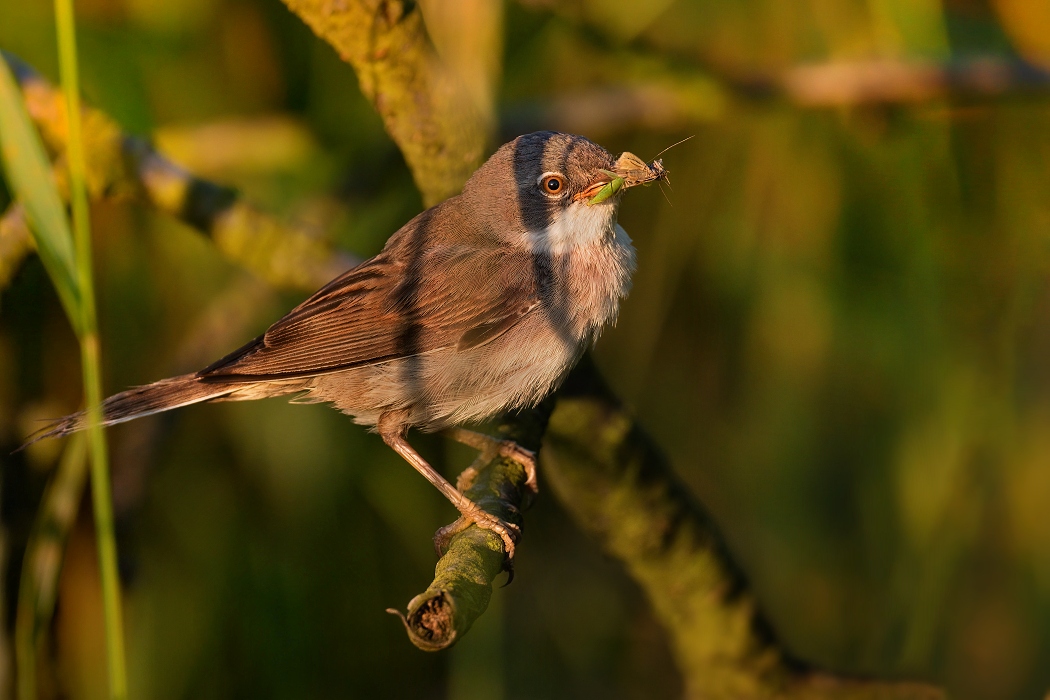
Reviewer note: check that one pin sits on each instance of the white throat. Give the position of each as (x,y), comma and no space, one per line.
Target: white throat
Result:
(579,225)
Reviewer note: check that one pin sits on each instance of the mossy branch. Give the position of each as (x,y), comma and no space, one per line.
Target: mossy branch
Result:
(426,110)
(464,575)
(620,490)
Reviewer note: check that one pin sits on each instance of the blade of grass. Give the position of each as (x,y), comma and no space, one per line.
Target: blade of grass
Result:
(43,561)
(28,172)
(90,358)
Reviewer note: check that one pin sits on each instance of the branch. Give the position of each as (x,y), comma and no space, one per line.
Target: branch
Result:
(285,254)
(664,105)
(676,103)
(464,575)
(911,82)
(428,113)
(622,493)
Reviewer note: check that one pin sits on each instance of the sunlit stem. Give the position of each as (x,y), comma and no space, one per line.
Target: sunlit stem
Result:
(90,358)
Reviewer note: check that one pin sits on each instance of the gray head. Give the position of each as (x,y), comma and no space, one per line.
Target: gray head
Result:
(537,190)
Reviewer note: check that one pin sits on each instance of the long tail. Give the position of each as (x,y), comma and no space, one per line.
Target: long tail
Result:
(142,401)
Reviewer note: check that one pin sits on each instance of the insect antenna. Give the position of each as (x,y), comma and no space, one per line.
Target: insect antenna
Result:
(672,146)
(661,186)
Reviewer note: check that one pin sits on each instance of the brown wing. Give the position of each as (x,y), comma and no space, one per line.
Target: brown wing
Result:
(385,309)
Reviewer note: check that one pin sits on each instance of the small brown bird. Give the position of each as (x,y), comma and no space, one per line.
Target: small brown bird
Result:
(479,304)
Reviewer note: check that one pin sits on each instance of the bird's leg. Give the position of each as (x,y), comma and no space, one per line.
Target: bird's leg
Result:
(489,448)
(394,435)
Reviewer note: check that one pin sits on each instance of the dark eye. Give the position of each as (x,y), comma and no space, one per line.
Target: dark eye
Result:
(552,184)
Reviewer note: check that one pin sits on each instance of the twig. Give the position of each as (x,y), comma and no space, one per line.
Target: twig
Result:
(621,491)
(665,106)
(672,104)
(463,577)
(428,113)
(910,82)
(286,254)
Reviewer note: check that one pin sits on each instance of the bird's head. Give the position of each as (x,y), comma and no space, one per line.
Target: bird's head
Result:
(553,191)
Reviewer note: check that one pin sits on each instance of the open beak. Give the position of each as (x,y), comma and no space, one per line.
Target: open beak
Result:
(628,171)
(604,179)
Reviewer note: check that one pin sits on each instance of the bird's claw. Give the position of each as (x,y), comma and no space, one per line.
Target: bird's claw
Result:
(527,459)
(508,532)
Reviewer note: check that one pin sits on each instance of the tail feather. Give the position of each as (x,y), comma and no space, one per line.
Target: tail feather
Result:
(138,402)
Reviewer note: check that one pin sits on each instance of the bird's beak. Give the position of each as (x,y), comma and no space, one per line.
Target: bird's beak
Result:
(604,179)
(628,171)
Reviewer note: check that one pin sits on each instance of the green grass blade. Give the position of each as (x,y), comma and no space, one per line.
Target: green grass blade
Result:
(90,359)
(28,172)
(42,564)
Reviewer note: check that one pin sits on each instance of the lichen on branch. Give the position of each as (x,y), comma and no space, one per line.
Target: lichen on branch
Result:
(428,113)
(620,490)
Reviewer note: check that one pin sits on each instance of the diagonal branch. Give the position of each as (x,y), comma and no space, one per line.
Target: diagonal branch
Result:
(978,78)
(620,490)
(286,254)
(430,115)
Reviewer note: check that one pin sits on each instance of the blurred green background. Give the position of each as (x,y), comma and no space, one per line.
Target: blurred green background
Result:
(839,331)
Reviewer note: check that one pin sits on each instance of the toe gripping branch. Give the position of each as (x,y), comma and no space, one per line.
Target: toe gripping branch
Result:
(474,558)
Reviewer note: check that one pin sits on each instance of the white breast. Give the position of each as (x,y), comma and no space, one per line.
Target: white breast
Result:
(597,276)
(577,226)
(592,259)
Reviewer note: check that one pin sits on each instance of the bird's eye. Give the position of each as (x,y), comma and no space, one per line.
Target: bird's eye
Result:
(552,184)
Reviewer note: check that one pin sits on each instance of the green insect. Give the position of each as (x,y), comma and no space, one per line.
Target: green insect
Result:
(610,188)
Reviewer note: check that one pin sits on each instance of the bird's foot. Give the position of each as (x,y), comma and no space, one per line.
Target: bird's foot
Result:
(508,532)
(490,447)
(510,450)
(467,477)
(527,459)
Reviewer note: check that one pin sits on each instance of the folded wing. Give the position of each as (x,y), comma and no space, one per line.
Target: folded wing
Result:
(385,309)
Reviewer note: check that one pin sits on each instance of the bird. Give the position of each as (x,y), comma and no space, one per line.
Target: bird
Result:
(480,304)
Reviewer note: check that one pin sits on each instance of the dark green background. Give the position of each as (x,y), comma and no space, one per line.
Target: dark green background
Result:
(839,331)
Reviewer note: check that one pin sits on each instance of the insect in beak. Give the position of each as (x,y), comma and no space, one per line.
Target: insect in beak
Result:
(606,185)
(628,171)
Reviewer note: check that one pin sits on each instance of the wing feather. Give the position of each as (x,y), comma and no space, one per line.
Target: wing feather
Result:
(382,310)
